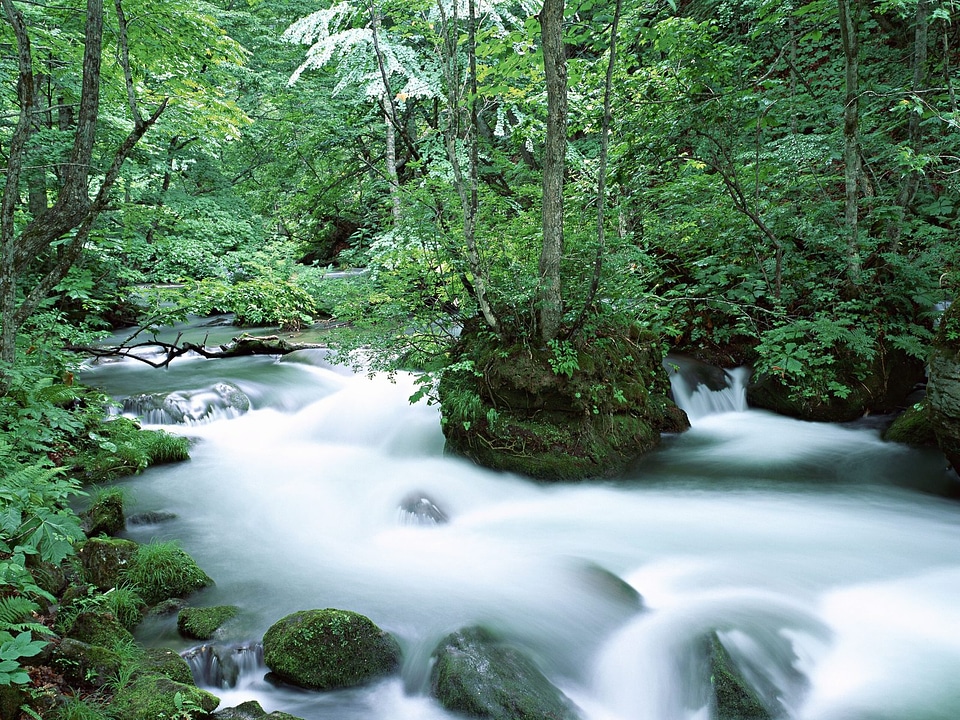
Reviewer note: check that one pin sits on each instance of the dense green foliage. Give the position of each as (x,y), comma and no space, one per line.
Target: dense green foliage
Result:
(751,212)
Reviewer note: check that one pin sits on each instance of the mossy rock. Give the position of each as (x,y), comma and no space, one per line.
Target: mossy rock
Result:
(99,628)
(943,388)
(476,674)
(163,570)
(202,622)
(105,515)
(250,710)
(80,662)
(105,560)
(559,412)
(735,698)
(327,649)
(164,661)
(880,387)
(912,427)
(149,697)
(120,447)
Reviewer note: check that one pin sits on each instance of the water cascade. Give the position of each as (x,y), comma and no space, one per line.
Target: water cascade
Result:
(806,548)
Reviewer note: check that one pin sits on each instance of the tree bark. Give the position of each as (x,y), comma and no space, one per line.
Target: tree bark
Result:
(466,186)
(73,210)
(911,180)
(850,39)
(554,166)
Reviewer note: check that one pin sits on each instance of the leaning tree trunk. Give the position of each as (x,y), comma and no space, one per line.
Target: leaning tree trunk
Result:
(554,165)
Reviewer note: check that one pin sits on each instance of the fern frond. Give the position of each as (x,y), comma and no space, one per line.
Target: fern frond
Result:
(14,612)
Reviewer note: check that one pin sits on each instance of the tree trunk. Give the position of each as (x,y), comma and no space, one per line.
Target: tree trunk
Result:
(554,165)
(73,211)
(911,181)
(466,186)
(849,36)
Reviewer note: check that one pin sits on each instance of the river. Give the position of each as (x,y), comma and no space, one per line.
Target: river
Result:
(814,550)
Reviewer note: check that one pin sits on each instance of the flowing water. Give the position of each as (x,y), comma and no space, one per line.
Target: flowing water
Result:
(809,548)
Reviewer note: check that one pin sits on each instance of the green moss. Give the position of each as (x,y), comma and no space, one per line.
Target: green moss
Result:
(201,623)
(149,697)
(912,427)
(562,412)
(105,514)
(81,662)
(164,661)
(162,570)
(105,560)
(735,699)
(99,628)
(325,649)
(119,447)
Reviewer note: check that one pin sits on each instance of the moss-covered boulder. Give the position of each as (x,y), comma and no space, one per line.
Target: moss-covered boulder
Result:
(912,427)
(943,386)
(735,698)
(477,674)
(120,447)
(162,570)
(105,515)
(326,649)
(149,697)
(105,560)
(164,661)
(251,710)
(563,411)
(880,386)
(201,623)
(99,628)
(81,663)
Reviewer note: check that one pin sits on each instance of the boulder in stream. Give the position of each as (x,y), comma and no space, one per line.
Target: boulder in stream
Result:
(200,623)
(327,649)
(418,509)
(478,674)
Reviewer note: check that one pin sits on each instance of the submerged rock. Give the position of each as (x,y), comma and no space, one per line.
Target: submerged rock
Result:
(151,518)
(943,386)
(477,674)
(327,649)
(418,509)
(222,399)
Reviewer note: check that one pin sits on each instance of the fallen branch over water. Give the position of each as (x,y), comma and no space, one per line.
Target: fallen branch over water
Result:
(241,346)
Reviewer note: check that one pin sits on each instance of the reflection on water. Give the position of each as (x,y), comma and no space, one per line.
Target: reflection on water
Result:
(799,543)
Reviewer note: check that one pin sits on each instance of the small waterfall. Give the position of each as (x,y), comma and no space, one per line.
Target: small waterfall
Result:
(701,390)
(225,666)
